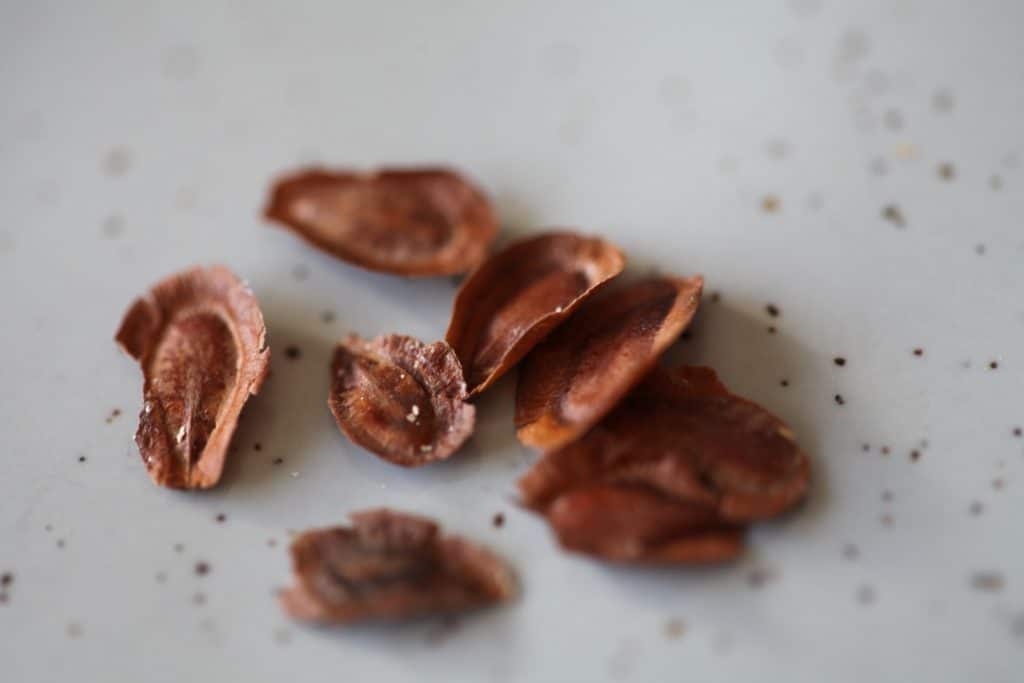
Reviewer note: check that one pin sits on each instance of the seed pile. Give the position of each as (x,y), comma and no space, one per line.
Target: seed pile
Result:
(640,463)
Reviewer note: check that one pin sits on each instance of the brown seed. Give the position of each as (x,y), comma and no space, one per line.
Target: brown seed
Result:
(680,439)
(634,524)
(200,339)
(839,361)
(893,214)
(390,566)
(579,373)
(498,520)
(401,399)
(428,221)
(522,293)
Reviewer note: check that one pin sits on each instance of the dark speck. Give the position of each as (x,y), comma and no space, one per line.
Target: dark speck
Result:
(771,329)
(893,214)
(839,360)
(866,594)
(271,543)
(1018,432)
(886,520)
(202,568)
(292,352)
(976,508)
(81,458)
(993,365)
(893,119)
(887,496)
(885,450)
(918,352)
(770,203)
(784,382)
(947,171)
(278,461)
(327,317)
(772,310)
(221,518)
(851,552)
(114,414)
(865,447)
(257,446)
(840,400)
(715,297)
(179,547)
(915,455)
(760,576)
(300,272)
(498,520)
(60,543)
(6,579)
(979,249)
(992,582)
(674,628)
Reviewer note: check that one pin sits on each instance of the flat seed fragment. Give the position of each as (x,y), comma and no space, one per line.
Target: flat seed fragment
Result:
(682,434)
(579,373)
(401,399)
(522,293)
(389,566)
(200,340)
(426,221)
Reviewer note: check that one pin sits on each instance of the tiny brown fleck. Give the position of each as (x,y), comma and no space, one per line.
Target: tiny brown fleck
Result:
(998,483)
(257,446)
(114,414)
(993,365)
(918,352)
(1018,432)
(988,581)
(893,214)
(976,508)
(498,520)
(866,594)
(715,297)
(202,568)
(221,518)
(915,455)
(674,628)
(328,317)
(839,360)
(278,461)
(6,579)
(81,458)
(772,310)
(292,352)
(770,204)
(74,630)
(886,520)
(947,171)
(784,382)
(840,400)
(771,329)
(885,450)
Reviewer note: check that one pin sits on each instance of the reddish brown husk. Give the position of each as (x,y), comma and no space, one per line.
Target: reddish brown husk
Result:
(428,221)
(401,399)
(683,435)
(200,339)
(579,373)
(522,293)
(390,566)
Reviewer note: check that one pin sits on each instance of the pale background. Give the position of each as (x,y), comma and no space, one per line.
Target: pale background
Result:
(137,139)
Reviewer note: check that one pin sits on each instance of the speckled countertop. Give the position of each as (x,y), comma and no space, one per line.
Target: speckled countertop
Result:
(856,164)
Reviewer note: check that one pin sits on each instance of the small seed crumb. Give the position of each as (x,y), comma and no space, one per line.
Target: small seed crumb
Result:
(498,520)
(839,360)
(772,310)
(202,568)
(992,582)
(221,518)
(277,461)
(993,365)
(674,628)
(840,400)
(919,352)
(915,455)
(784,382)
(947,171)
(885,450)
(893,214)
(292,352)
(770,204)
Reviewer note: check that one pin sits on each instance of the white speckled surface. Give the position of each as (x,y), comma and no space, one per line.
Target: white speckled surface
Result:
(136,140)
